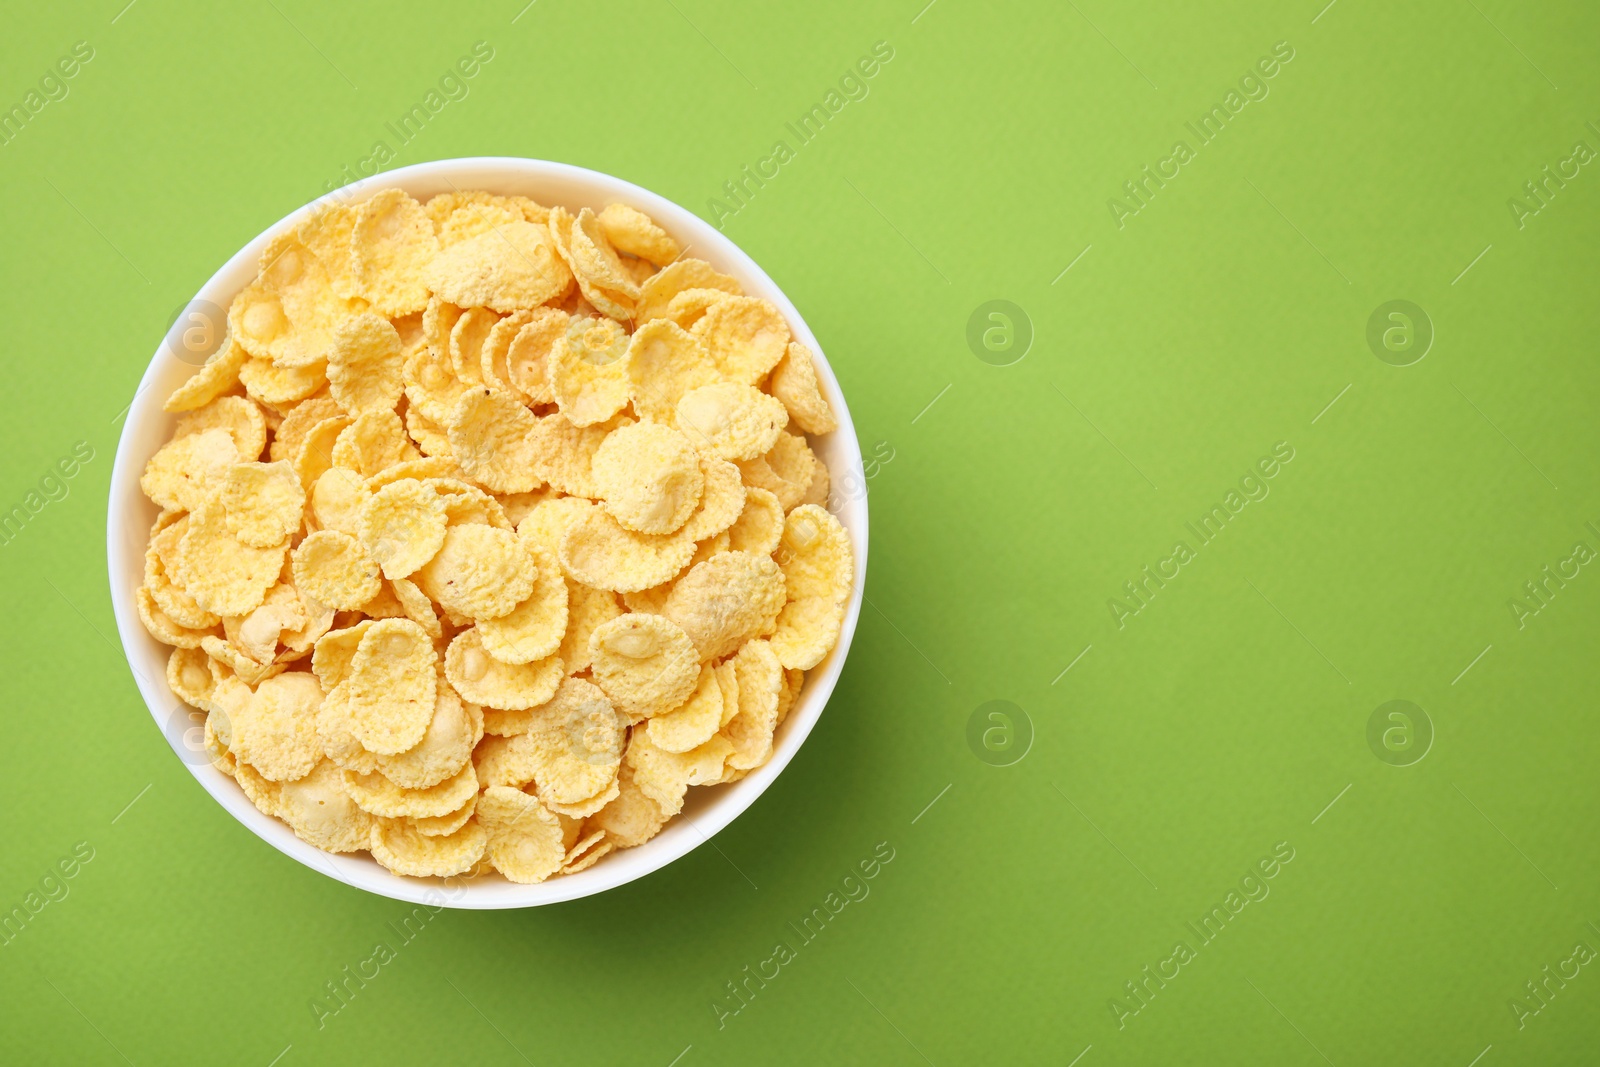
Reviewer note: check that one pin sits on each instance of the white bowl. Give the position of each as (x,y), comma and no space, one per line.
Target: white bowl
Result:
(130,516)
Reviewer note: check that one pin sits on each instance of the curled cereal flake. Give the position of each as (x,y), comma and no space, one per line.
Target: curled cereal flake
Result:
(321,812)
(315,457)
(417,607)
(220,373)
(392,246)
(794,381)
(334,651)
(335,735)
(817,489)
(646,663)
(402,526)
(366,367)
(725,601)
(444,825)
(745,336)
(429,436)
(637,234)
(337,500)
(480,572)
(690,306)
(223,574)
(292,274)
(405,849)
(750,730)
(534,628)
(243,667)
(601,275)
(721,502)
(447,746)
(467,339)
(586,807)
(524,838)
(786,471)
(333,568)
(188,676)
(492,367)
(437,323)
(326,233)
(563,454)
(759,526)
(586,853)
(665,776)
(492,437)
(793,681)
(236,414)
(465,503)
(599,552)
(159,559)
(509,267)
(588,370)
(691,723)
(290,436)
(663,363)
(300,639)
(656,293)
(649,477)
(482,679)
(818,570)
(393,683)
(269,383)
(527,357)
(373,441)
(577,738)
(728,682)
(257,634)
(276,730)
(632,818)
(263,503)
(432,387)
(162,628)
(418,470)
(186,472)
(730,420)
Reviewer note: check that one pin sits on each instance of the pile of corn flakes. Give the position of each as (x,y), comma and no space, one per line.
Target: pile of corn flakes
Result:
(490,531)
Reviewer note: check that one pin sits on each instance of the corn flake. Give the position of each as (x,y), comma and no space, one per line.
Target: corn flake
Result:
(402,526)
(366,365)
(649,477)
(392,245)
(335,569)
(482,679)
(493,438)
(524,838)
(637,234)
(646,663)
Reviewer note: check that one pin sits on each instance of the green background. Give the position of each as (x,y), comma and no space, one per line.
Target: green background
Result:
(1228,715)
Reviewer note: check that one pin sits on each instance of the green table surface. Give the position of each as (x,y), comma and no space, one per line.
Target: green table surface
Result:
(1169,735)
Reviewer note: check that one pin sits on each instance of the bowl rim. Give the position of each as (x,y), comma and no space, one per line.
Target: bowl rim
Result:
(126,537)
